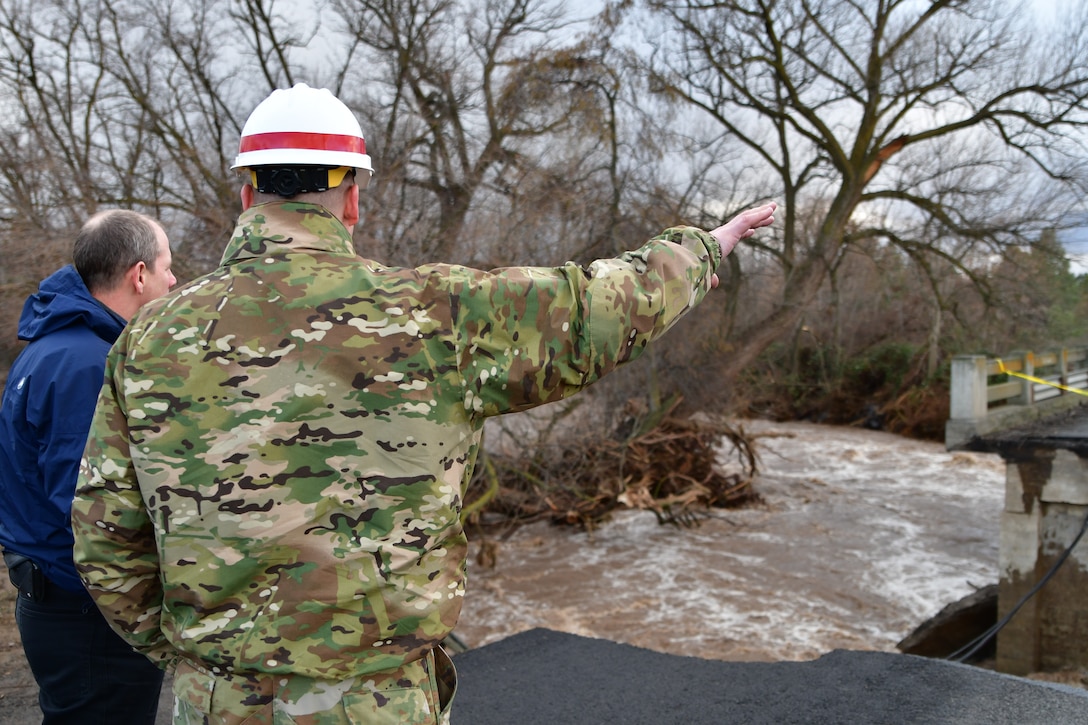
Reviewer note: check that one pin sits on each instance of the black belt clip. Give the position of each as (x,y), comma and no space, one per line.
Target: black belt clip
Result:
(26,576)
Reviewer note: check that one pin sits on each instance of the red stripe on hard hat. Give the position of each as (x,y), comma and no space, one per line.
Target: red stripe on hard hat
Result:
(302,140)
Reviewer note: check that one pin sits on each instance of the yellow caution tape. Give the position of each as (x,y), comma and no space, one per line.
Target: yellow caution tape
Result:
(1001,368)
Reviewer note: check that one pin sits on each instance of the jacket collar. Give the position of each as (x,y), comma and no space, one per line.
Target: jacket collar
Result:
(281,227)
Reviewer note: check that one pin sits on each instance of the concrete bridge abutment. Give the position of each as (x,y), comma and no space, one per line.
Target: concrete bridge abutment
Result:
(1032,409)
(1046,505)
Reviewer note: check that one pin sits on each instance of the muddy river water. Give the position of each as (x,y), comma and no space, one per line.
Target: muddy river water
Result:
(860,536)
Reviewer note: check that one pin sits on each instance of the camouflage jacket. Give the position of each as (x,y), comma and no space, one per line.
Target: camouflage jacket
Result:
(274,474)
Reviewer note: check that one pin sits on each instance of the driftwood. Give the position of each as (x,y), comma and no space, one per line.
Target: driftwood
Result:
(653,461)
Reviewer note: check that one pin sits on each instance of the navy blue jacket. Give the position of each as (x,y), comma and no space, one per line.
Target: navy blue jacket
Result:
(45,414)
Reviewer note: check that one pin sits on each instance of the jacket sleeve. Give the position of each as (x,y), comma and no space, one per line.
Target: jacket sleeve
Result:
(115,552)
(59,400)
(69,403)
(529,335)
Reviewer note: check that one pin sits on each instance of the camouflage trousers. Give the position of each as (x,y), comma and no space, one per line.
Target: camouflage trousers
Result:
(419,693)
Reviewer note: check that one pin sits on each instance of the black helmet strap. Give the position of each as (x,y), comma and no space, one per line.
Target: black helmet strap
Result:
(289,181)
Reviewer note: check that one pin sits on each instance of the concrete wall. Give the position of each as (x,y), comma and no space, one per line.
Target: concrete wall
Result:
(1046,501)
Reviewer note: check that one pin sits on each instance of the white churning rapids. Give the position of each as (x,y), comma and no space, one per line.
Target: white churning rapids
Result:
(860,537)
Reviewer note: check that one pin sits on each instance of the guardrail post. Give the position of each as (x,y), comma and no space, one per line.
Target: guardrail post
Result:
(967,394)
(1028,368)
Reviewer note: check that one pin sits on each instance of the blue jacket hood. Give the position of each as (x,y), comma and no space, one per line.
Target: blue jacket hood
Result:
(62,300)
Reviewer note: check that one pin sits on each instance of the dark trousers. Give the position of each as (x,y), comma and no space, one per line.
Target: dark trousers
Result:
(86,674)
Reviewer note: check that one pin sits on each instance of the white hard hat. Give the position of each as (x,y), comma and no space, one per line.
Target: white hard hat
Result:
(302,126)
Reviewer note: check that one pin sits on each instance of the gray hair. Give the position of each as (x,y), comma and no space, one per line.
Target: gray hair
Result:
(110,243)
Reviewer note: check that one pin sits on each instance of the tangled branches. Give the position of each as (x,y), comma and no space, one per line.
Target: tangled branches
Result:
(654,461)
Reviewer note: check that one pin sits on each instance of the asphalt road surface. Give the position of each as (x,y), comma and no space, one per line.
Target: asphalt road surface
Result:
(547,677)
(553,678)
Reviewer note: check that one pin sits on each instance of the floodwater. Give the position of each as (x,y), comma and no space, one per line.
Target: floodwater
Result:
(861,536)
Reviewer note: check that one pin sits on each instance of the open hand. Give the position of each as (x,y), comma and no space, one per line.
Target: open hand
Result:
(740,227)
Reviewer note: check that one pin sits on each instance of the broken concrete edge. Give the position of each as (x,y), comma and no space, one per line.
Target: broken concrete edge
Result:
(955,627)
(973,434)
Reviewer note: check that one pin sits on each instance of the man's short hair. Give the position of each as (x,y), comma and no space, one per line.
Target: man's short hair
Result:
(110,243)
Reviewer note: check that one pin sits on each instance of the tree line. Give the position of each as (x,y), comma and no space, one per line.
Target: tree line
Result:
(925,155)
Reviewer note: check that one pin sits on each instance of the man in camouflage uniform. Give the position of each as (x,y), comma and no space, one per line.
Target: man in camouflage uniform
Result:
(270,494)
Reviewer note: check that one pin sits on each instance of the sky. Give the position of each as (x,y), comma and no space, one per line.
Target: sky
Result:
(1076,247)
(1075,241)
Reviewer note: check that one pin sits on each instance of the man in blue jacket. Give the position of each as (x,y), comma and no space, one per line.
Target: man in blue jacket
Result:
(85,672)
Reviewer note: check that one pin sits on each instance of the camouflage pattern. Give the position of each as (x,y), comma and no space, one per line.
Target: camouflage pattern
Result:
(411,695)
(274,474)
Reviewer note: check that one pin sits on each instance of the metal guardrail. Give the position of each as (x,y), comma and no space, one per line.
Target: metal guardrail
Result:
(991,394)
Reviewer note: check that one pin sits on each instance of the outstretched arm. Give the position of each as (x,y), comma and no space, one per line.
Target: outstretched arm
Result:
(532,335)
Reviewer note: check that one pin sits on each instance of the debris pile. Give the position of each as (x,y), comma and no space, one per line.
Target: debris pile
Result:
(675,467)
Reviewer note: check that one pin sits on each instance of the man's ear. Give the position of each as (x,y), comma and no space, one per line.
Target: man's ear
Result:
(247,197)
(351,206)
(136,277)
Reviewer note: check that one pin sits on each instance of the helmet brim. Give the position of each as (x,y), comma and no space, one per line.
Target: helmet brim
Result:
(302,157)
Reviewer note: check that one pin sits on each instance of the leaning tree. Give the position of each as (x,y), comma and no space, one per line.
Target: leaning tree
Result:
(938,127)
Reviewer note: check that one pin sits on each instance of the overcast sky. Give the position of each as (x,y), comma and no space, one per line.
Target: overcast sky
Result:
(1075,241)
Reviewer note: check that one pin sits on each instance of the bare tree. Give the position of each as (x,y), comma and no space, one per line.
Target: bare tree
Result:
(136,104)
(54,84)
(484,118)
(84,143)
(504,132)
(904,117)
(483,110)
